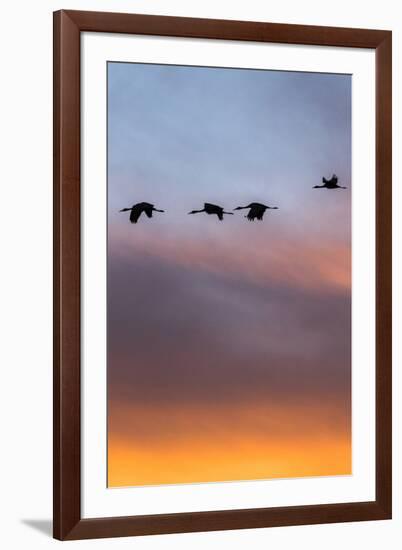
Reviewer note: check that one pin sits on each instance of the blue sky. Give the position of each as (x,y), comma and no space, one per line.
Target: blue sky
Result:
(184,135)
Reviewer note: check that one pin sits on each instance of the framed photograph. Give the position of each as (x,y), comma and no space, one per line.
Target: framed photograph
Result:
(222,267)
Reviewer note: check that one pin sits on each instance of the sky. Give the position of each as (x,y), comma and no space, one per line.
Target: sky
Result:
(229,343)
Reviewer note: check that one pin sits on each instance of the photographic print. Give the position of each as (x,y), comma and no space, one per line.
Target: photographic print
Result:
(229,274)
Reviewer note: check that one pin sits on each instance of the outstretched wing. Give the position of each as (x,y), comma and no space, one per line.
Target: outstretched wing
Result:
(148,211)
(220,215)
(135,214)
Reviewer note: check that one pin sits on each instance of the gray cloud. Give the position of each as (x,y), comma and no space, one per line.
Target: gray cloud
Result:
(183,335)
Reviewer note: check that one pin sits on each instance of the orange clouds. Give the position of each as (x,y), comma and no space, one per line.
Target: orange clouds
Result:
(295,260)
(223,443)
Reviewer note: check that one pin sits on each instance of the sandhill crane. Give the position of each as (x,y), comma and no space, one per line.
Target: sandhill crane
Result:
(329,184)
(137,209)
(212,209)
(257,210)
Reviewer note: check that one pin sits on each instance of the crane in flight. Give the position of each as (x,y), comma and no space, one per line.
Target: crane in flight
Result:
(137,209)
(212,209)
(256,210)
(329,184)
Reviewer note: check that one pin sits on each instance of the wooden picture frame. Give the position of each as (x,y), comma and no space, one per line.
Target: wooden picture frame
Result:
(68,523)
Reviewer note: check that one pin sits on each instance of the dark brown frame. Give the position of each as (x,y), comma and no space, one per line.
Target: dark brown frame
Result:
(68,26)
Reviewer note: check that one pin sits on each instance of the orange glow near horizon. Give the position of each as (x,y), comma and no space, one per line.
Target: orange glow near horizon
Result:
(192,447)
(209,461)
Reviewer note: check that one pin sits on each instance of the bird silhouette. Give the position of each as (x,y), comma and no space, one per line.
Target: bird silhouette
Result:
(329,184)
(137,209)
(257,210)
(212,209)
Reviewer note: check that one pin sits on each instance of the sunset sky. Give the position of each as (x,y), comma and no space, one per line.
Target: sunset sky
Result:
(228,342)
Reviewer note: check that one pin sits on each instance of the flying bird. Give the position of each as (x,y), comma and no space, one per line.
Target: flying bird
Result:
(212,209)
(329,184)
(257,210)
(137,209)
